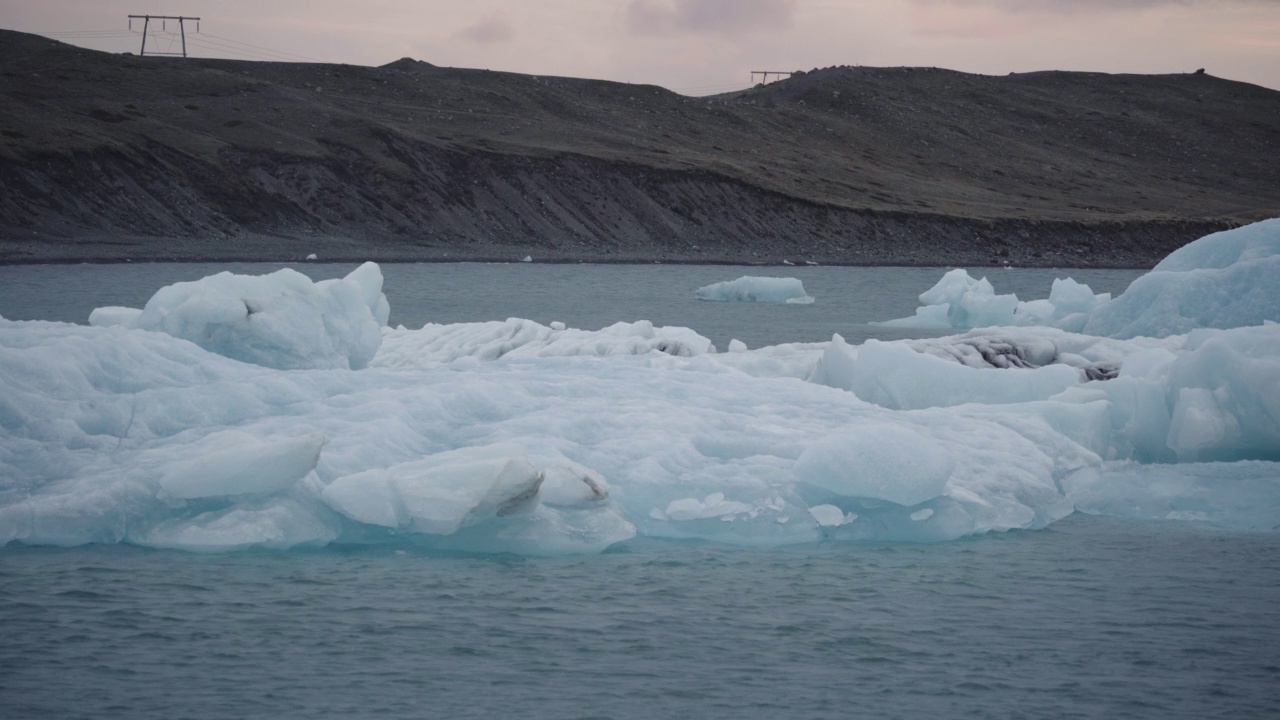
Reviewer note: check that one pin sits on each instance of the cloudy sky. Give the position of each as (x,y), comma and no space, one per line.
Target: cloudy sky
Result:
(703,46)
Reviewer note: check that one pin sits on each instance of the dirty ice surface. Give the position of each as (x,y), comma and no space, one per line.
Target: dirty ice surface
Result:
(238,412)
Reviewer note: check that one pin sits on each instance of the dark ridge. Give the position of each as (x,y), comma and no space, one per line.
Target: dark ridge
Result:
(113,157)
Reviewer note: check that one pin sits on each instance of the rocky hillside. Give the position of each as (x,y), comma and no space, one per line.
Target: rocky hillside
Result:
(114,156)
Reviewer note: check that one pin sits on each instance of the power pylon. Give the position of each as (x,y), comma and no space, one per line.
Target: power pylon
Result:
(164,19)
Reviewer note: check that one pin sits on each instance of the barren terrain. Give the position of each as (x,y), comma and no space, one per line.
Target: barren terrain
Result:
(113,157)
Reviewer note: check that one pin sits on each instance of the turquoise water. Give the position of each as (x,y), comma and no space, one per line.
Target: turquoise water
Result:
(1089,618)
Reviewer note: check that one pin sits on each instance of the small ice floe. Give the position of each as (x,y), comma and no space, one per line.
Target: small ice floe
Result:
(756,289)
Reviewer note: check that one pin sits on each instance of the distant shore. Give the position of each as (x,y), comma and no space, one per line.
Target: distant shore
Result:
(1135,246)
(119,158)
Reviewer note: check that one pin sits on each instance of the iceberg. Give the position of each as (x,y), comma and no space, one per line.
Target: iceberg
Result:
(747,288)
(514,436)
(282,320)
(1223,280)
(959,302)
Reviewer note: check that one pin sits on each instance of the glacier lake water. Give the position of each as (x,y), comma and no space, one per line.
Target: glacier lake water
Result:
(1091,617)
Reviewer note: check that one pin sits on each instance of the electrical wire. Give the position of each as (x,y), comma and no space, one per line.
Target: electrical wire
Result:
(90,36)
(260,48)
(235,49)
(710,89)
(234,52)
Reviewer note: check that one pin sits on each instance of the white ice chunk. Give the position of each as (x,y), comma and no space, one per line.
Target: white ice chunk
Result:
(756,289)
(712,506)
(567,484)
(1223,280)
(236,463)
(959,302)
(368,279)
(281,320)
(890,463)
(830,516)
(440,493)
(1225,395)
(114,315)
(1068,296)
(893,375)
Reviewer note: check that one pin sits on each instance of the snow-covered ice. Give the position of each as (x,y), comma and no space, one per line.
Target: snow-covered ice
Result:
(239,412)
(747,288)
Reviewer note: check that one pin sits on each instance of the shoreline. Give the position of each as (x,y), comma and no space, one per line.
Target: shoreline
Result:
(549,261)
(1129,246)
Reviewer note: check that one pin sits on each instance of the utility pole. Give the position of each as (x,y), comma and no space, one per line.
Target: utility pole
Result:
(182,29)
(764,75)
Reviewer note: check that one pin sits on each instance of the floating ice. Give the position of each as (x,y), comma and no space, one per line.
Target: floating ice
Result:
(237,463)
(115,315)
(1224,280)
(1241,495)
(281,320)
(518,437)
(756,289)
(1224,395)
(959,302)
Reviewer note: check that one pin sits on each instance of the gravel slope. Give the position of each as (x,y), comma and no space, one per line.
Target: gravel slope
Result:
(113,157)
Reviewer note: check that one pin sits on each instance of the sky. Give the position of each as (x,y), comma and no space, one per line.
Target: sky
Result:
(699,47)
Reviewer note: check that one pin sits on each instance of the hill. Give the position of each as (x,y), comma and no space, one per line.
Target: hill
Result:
(115,156)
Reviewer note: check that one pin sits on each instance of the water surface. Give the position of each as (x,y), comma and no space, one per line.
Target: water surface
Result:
(1089,618)
(582,296)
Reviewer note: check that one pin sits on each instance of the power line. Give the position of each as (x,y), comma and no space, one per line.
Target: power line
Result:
(235,52)
(85,32)
(216,44)
(219,46)
(259,47)
(710,89)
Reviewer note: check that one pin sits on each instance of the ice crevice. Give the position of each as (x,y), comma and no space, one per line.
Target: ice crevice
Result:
(270,411)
